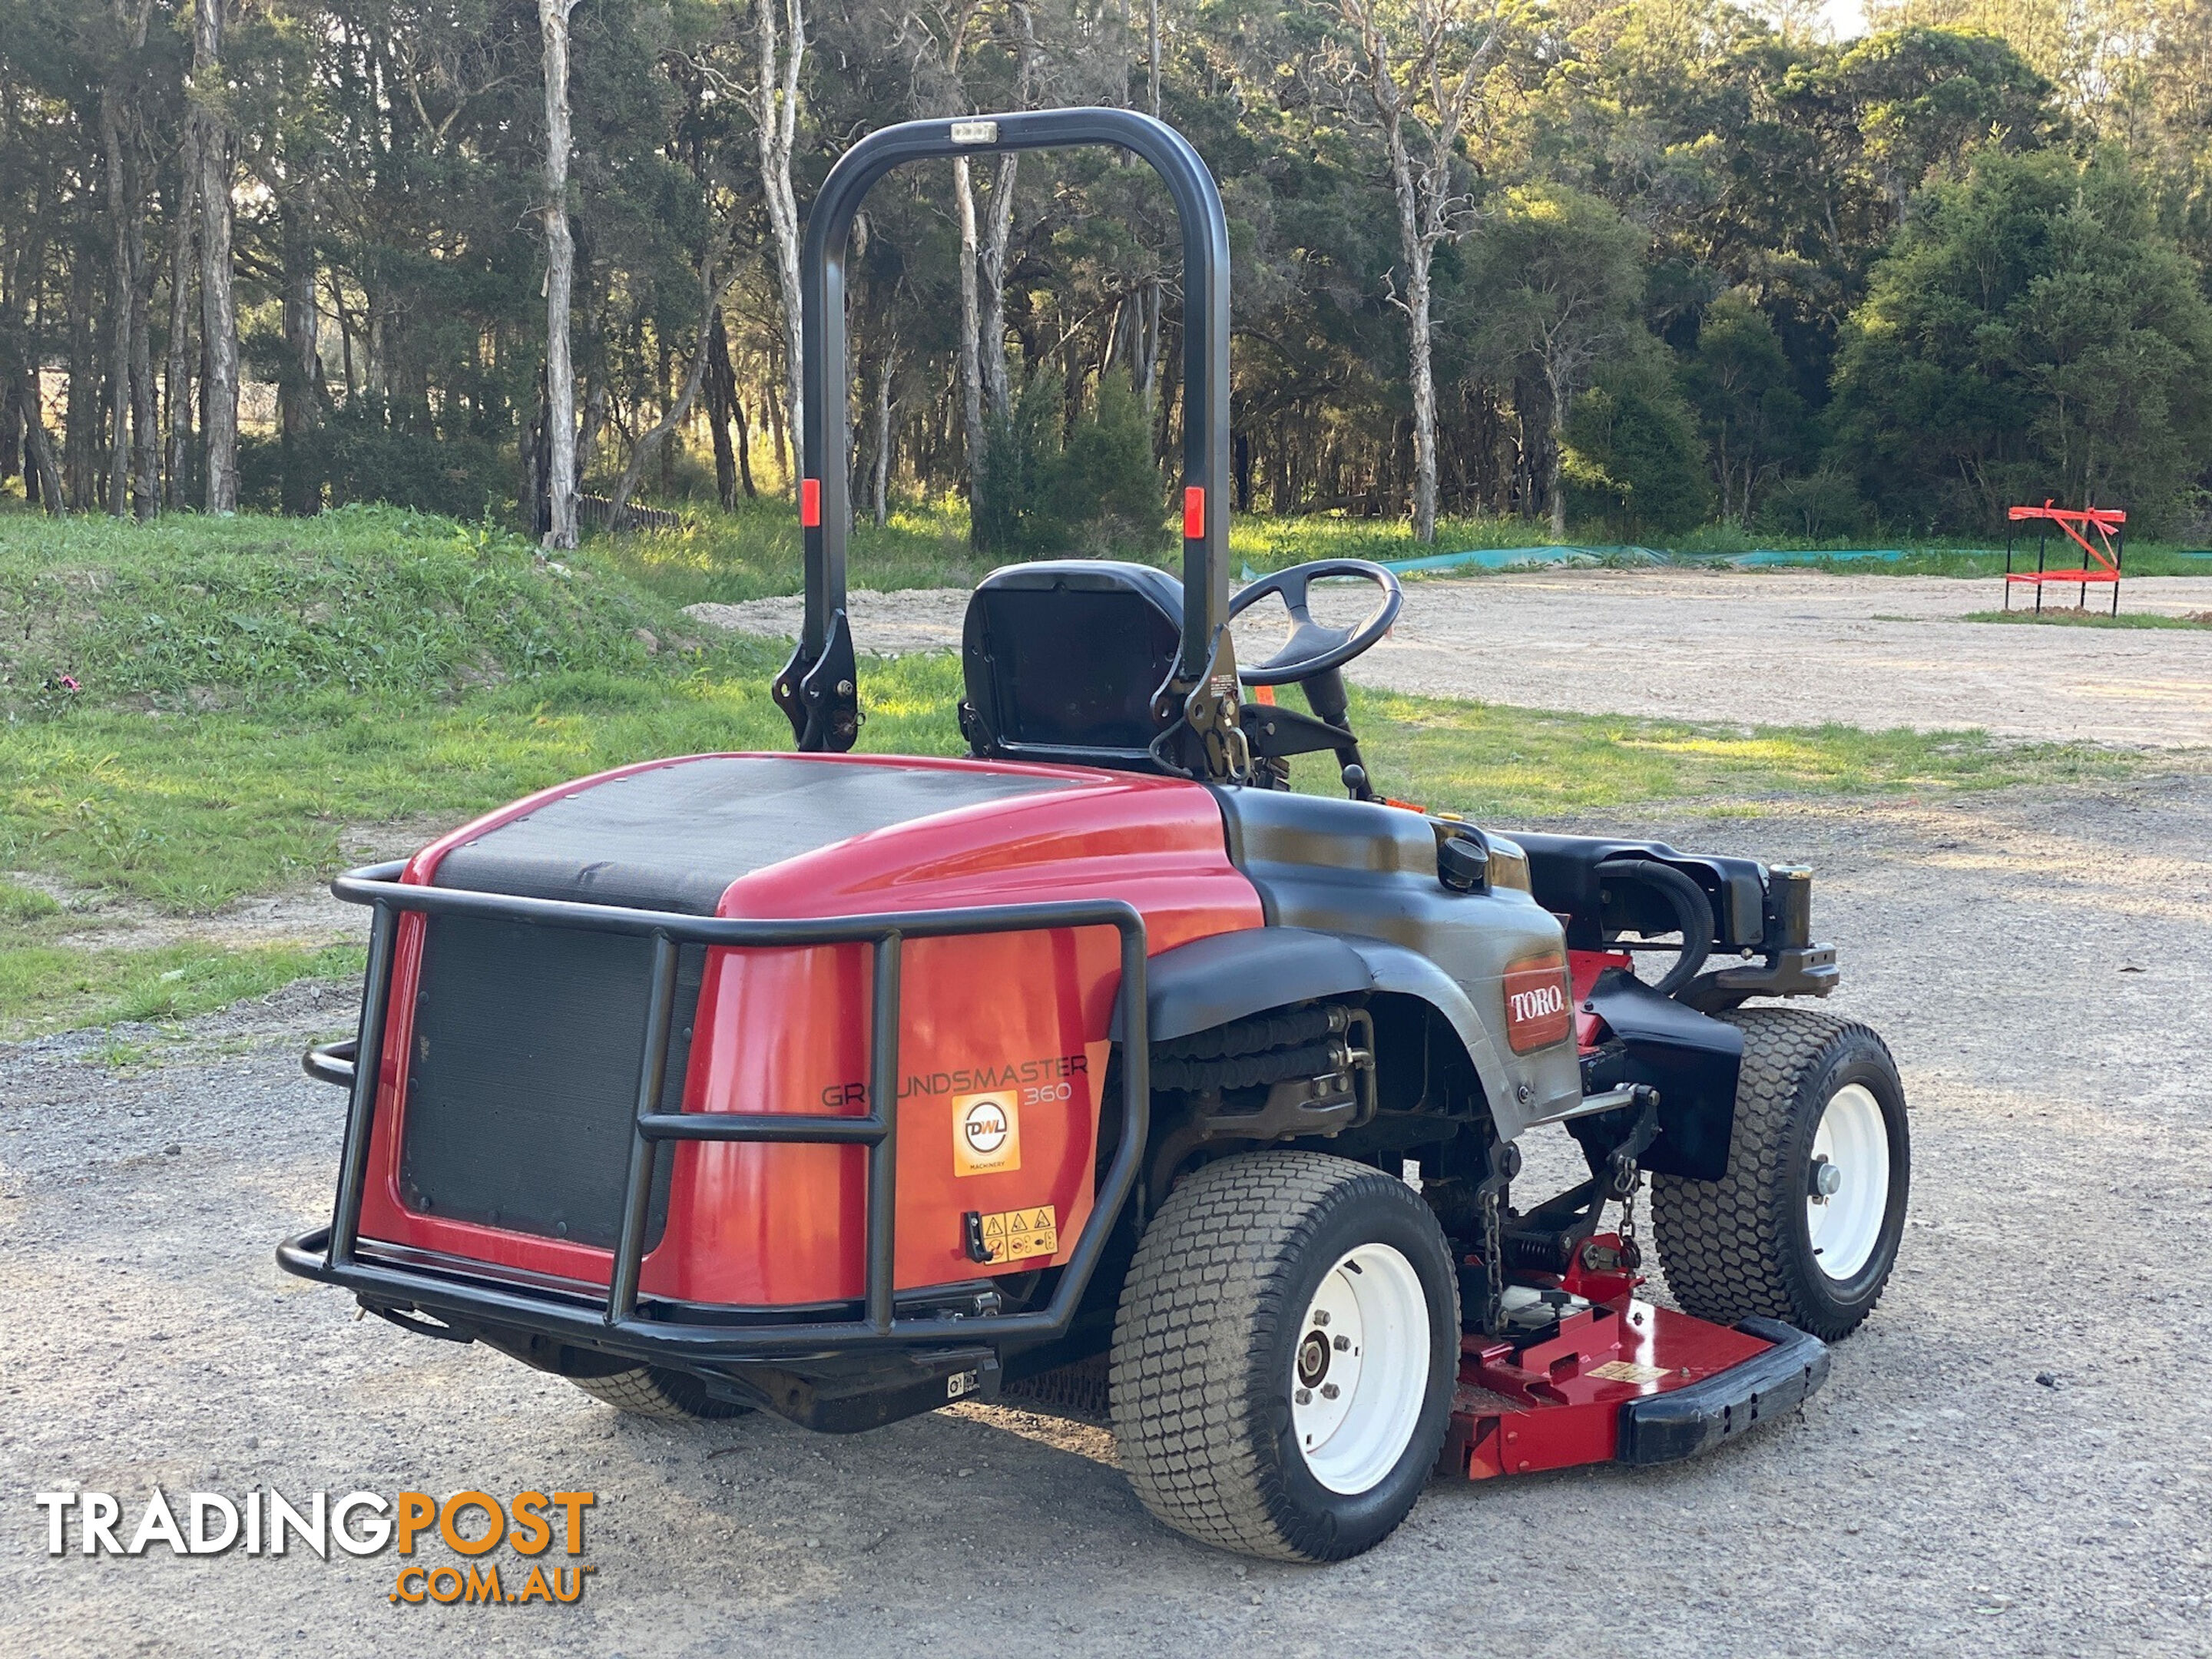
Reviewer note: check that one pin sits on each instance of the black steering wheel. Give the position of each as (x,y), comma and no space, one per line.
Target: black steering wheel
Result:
(1314,648)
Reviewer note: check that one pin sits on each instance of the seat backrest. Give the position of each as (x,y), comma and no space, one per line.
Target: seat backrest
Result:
(1061,659)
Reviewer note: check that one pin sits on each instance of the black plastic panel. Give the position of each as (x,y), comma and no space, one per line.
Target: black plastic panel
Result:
(522,1077)
(1691,1058)
(1064,656)
(1563,870)
(1664,1428)
(1213,980)
(674,837)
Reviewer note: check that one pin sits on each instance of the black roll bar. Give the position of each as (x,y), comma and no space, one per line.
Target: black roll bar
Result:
(616,1322)
(817,689)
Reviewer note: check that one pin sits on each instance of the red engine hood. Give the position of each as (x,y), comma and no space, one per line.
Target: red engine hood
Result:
(824,835)
(1019,1017)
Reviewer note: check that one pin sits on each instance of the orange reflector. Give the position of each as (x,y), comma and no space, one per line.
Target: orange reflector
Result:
(810,502)
(1194,513)
(1265,695)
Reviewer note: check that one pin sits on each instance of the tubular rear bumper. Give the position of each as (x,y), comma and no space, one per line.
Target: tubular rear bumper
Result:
(616,1322)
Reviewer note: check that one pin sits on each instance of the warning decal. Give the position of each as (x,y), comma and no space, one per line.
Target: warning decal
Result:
(1012,1235)
(986,1134)
(1624,1371)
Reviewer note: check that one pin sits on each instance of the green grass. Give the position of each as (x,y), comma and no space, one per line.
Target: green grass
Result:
(373,667)
(754,552)
(189,811)
(47,988)
(2201,621)
(195,611)
(21,904)
(1506,764)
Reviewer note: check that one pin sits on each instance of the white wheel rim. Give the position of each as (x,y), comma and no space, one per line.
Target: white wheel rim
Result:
(1360,1368)
(1854,1140)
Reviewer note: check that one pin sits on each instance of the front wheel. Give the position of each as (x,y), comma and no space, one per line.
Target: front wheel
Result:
(1805,1223)
(1285,1355)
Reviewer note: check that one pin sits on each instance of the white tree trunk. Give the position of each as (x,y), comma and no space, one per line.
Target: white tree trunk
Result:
(971,327)
(177,378)
(1558,380)
(218,310)
(879,488)
(776,117)
(991,333)
(560,279)
(127,198)
(1148,356)
(1416,249)
(1431,209)
(124,286)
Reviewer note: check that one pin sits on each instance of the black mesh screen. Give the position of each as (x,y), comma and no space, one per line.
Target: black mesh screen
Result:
(523,1080)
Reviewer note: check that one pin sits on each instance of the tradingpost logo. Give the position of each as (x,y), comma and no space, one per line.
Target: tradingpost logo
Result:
(475,1526)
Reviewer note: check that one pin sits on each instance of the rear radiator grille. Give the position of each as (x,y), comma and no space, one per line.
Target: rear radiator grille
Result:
(522,1077)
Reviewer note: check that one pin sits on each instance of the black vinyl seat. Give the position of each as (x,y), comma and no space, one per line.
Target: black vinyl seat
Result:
(1061,658)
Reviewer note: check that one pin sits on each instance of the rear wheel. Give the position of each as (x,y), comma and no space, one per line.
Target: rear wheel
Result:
(651,1391)
(1804,1224)
(1285,1357)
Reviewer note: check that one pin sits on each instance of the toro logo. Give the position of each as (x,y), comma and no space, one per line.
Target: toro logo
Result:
(1538,1012)
(986,1134)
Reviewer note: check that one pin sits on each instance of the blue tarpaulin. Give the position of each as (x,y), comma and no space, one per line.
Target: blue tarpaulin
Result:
(1508,558)
(1515,558)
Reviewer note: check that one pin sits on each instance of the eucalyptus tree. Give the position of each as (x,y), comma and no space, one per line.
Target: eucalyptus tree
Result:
(1418,68)
(1562,272)
(775,121)
(215,155)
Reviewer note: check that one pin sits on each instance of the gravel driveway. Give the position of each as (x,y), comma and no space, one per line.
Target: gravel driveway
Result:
(1788,648)
(2040,962)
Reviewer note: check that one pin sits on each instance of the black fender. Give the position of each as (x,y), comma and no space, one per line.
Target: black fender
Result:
(1405,971)
(1211,981)
(1691,1059)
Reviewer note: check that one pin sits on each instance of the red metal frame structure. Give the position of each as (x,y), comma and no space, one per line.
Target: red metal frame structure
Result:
(2102,557)
(1557,1403)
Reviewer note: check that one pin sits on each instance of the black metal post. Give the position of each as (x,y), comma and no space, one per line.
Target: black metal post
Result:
(651,1074)
(367,1068)
(882,1156)
(2008,586)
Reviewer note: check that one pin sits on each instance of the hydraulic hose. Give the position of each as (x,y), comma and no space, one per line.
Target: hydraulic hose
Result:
(1694,913)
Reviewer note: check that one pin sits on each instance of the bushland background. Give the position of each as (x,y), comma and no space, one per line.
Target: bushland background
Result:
(1633,268)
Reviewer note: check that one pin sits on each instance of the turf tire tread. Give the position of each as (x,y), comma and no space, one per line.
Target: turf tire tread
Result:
(649,1391)
(1211,1282)
(1721,1240)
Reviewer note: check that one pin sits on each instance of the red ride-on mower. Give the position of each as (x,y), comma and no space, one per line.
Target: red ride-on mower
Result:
(844,1086)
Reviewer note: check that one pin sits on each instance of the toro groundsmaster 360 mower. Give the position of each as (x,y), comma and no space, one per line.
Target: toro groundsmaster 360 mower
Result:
(844,1086)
